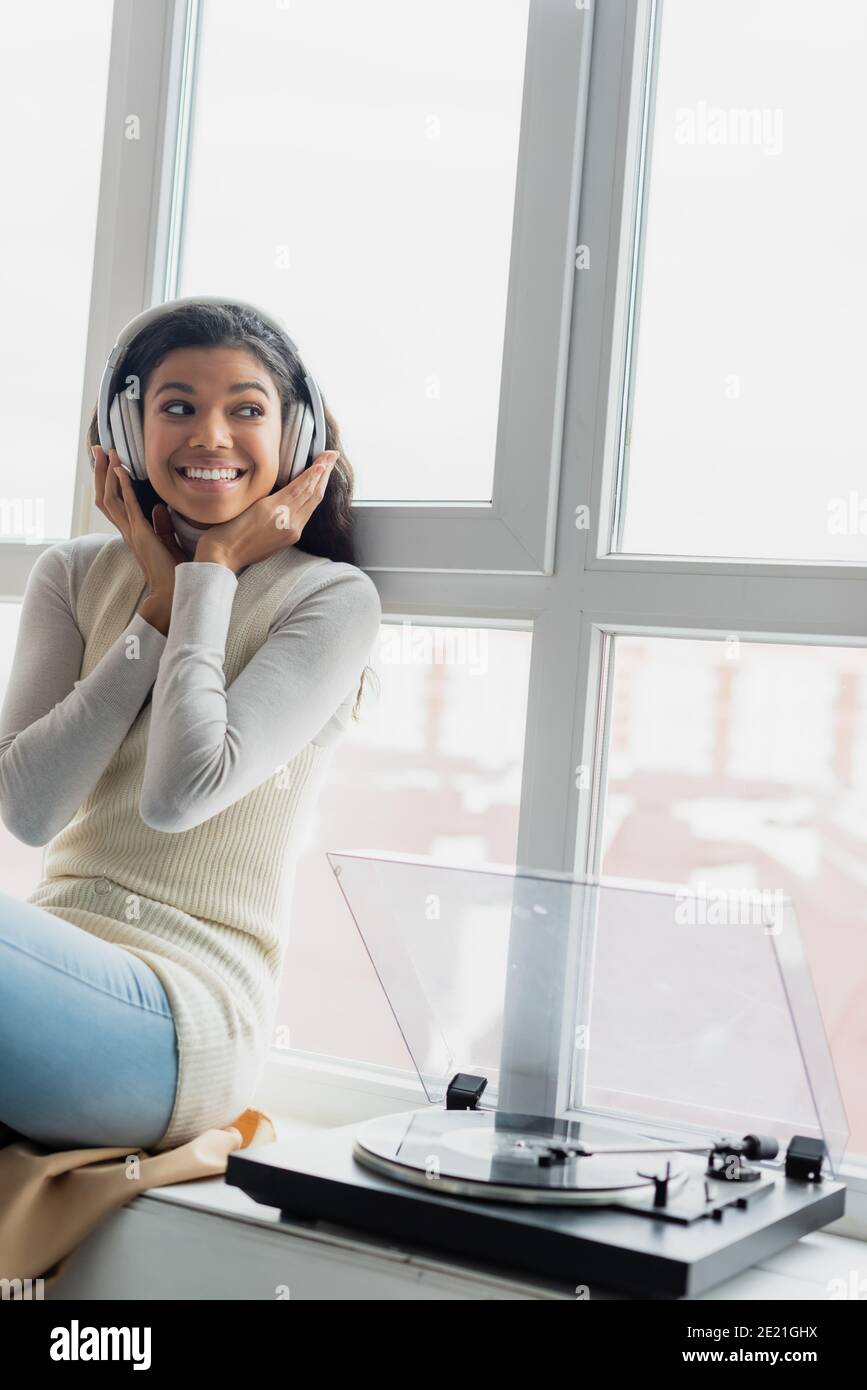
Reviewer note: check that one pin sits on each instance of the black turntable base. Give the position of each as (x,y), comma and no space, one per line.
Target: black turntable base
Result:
(611,1237)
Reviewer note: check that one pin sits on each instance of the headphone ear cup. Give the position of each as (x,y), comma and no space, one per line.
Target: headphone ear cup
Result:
(118,430)
(130,411)
(123,433)
(291,444)
(305,439)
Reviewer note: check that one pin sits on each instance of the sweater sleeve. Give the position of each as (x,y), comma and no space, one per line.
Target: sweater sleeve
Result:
(58,733)
(209,745)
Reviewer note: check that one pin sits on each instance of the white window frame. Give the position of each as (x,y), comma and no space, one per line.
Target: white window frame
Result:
(518,561)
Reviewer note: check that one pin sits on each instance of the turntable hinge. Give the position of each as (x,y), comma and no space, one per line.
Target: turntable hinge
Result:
(465,1091)
(804,1158)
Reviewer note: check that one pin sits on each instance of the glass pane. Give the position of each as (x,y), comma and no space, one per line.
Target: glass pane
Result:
(742,766)
(433,766)
(745,437)
(360,185)
(20,864)
(53,77)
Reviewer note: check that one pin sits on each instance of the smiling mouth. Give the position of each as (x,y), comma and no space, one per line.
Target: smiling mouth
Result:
(210,478)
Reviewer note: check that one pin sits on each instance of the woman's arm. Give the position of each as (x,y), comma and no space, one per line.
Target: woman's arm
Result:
(58,733)
(208,745)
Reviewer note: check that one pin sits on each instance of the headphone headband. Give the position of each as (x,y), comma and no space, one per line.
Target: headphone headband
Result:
(303,438)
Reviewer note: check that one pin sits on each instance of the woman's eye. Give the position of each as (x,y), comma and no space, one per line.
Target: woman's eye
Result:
(257,408)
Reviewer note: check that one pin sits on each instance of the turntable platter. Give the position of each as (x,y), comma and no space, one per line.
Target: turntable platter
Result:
(515,1158)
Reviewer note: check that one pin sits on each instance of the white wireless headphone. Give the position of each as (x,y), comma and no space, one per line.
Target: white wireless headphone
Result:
(119,420)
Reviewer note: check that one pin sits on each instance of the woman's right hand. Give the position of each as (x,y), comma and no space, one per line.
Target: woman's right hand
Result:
(156,550)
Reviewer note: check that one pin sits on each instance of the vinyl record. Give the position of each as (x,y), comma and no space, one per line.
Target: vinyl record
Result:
(514,1158)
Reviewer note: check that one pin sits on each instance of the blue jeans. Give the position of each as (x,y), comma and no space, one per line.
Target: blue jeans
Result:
(88,1050)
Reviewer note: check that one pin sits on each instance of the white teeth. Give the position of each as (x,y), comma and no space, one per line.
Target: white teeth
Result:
(211,472)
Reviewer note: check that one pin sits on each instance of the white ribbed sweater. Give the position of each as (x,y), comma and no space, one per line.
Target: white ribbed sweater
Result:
(204,907)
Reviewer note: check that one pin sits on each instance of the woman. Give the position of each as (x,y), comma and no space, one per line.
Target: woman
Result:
(174,696)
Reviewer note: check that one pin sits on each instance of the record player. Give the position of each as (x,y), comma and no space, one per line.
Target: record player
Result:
(628,1084)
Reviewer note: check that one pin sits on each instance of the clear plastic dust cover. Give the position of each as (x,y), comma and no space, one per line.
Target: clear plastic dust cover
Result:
(662,1009)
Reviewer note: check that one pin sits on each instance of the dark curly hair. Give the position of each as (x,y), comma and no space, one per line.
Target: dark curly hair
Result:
(329,530)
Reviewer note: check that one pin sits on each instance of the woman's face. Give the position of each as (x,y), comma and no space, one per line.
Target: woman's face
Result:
(211,408)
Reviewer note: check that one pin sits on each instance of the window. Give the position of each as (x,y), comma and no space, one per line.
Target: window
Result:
(743,435)
(742,765)
(413,226)
(433,767)
(52,106)
(384,242)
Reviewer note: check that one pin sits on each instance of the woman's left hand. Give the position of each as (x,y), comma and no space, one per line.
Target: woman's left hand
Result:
(270,524)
